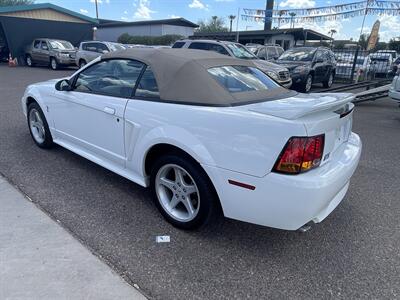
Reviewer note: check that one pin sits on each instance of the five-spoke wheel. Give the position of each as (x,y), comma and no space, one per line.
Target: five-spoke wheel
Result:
(182,191)
(38,126)
(177,192)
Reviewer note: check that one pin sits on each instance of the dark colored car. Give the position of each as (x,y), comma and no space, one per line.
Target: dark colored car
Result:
(309,65)
(54,53)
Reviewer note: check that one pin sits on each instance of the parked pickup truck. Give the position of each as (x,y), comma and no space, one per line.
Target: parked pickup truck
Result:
(54,53)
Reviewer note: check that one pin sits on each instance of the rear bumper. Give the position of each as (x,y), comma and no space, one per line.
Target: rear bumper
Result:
(289,201)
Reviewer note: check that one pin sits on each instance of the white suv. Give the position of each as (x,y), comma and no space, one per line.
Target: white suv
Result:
(278,73)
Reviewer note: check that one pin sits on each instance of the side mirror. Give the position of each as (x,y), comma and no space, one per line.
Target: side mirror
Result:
(104,51)
(63,85)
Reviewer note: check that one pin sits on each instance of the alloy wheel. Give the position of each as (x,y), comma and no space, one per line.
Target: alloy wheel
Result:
(308,83)
(53,64)
(37,126)
(177,192)
(330,80)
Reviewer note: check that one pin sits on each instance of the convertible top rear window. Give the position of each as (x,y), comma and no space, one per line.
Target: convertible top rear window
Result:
(242,79)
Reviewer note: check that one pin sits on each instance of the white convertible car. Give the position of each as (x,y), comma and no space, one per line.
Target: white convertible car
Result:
(204,131)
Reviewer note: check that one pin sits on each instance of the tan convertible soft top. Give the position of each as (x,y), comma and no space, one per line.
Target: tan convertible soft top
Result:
(182,76)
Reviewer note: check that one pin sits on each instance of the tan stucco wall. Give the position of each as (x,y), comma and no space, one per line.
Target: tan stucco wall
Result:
(44,14)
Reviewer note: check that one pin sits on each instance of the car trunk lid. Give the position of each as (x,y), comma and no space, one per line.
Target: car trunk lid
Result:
(325,113)
(302,105)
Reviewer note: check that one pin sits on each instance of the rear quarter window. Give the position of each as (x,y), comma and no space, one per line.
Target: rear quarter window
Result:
(147,87)
(199,46)
(178,45)
(238,79)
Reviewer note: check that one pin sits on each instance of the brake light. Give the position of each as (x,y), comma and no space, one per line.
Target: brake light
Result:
(300,154)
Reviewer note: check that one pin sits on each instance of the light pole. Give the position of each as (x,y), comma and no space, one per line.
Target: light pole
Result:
(237,26)
(97,10)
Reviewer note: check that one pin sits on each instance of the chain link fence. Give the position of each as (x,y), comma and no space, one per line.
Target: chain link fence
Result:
(355,65)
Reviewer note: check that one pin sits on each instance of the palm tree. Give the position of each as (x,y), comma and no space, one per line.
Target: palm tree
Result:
(332,32)
(231,18)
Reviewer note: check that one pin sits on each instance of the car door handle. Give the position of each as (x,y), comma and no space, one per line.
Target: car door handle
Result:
(109,110)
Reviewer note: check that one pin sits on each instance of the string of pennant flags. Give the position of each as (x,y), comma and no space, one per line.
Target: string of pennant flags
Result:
(325,13)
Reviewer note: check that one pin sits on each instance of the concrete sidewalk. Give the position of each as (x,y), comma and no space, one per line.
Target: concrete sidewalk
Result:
(41,260)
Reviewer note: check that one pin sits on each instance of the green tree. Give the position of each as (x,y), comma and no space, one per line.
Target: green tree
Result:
(394,44)
(363,42)
(339,44)
(214,24)
(381,46)
(15,2)
(168,39)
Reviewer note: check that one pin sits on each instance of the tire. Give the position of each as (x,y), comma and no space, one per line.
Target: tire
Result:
(328,83)
(82,63)
(29,61)
(166,188)
(39,131)
(53,63)
(308,83)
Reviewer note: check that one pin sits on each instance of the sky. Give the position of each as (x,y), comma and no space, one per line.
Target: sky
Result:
(195,10)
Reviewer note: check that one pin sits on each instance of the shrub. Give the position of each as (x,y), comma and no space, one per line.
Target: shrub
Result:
(168,39)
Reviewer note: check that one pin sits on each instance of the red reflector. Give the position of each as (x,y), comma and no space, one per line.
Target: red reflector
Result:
(241,184)
(300,154)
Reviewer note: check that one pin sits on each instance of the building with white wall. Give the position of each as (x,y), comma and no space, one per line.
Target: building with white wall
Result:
(287,38)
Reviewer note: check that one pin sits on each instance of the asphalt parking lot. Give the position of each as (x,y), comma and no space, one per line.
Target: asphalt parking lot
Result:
(354,253)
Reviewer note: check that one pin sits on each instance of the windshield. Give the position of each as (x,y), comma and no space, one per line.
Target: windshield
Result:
(360,61)
(242,79)
(61,45)
(240,51)
(383,58)
(298,55)
(392,53)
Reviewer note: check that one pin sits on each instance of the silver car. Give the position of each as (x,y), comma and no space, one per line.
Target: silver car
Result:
(266,52)
(278,73)
(90,50)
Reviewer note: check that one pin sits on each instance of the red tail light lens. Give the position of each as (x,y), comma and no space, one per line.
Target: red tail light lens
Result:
(300,154)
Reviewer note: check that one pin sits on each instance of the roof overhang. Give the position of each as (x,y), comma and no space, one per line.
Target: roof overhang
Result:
(173,21)
(41,6)
(298,33)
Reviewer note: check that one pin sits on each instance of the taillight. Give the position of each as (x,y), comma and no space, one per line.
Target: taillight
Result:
(300,154)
